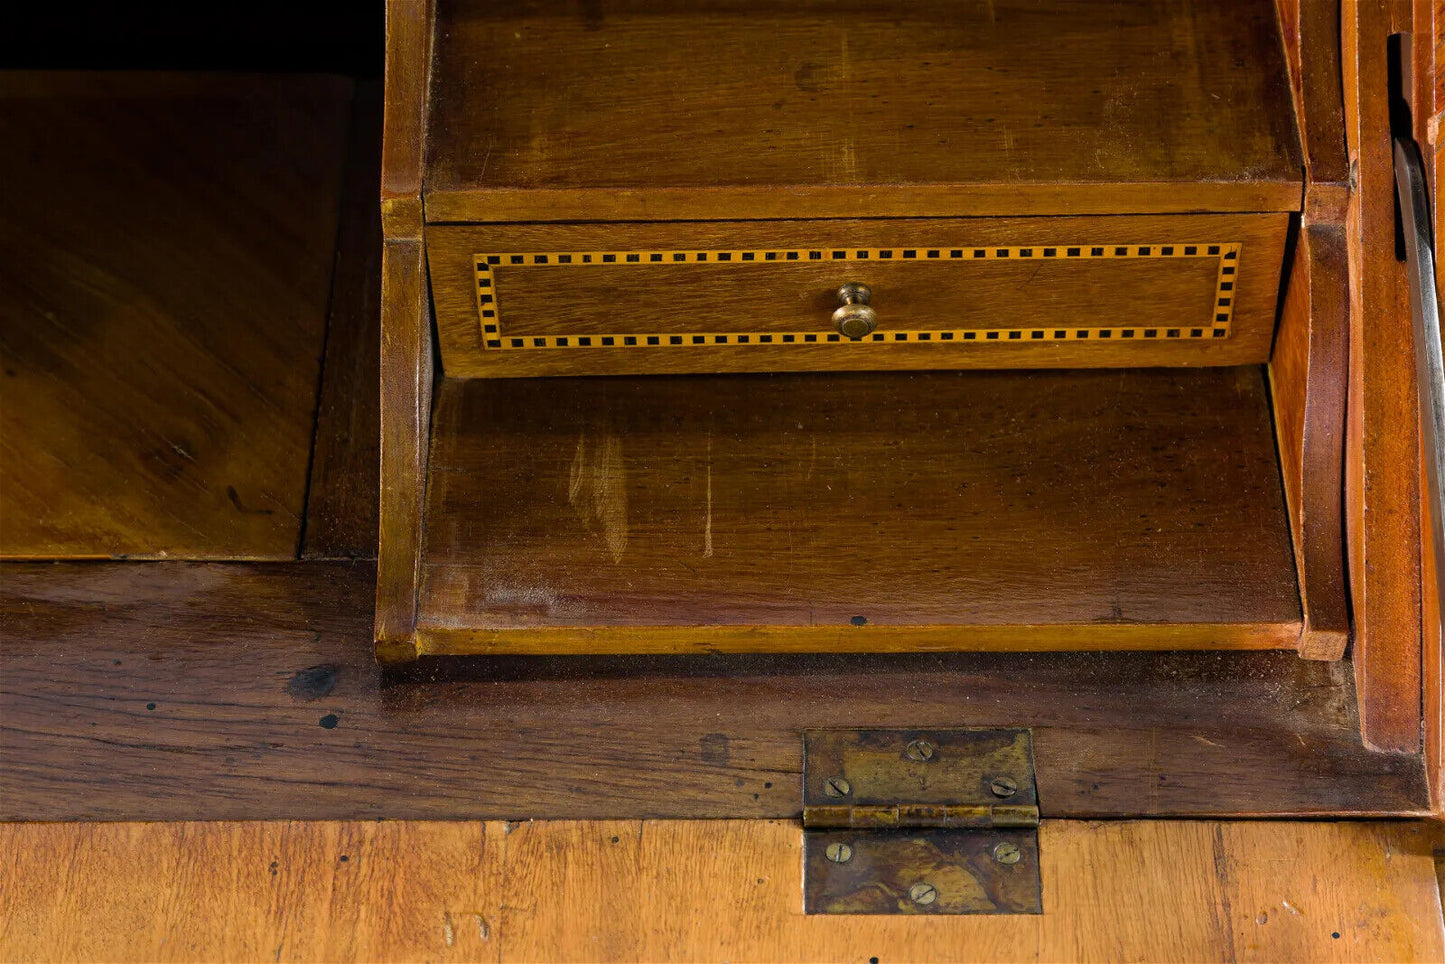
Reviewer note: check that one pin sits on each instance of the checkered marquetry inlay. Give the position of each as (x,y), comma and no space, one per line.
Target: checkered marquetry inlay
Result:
(494,334)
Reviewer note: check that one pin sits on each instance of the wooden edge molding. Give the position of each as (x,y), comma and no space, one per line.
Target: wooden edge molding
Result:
(1382,485)
(406,384)
(1308,380)
(408,66)
(746,202)
(677,640)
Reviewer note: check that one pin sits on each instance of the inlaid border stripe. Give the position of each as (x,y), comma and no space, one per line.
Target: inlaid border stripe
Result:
(1218,325)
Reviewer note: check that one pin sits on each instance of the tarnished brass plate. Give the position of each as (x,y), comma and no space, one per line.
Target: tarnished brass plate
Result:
(921,872)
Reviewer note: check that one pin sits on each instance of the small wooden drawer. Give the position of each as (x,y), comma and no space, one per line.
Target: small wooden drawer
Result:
(946,293)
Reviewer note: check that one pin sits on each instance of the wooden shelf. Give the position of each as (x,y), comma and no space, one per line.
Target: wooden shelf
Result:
(641,110)
(1134,509)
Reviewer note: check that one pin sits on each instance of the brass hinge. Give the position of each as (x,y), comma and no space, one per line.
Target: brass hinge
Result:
(920,822)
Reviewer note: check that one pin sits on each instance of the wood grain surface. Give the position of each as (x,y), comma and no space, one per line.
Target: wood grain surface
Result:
(1382,495)
(645,111)
(912,291)
(409,28)
(405,412)
(165,265)
(651,890)
(341,499)
(1308,386)
(1136,509)
(174,691)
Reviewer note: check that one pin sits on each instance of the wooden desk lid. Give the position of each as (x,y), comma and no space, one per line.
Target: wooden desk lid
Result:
(547,110)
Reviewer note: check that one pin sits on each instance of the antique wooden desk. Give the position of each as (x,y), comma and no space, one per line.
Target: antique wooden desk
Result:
(1182,574)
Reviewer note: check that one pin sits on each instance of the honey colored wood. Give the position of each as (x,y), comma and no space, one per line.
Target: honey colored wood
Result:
(630,890)
(341,500)
(884,510)
(406,400)
(647,111)
(165,263)
(1308,383)
(409,26)
(1312,46)
(1382,504)
(173,691)
(1045,286)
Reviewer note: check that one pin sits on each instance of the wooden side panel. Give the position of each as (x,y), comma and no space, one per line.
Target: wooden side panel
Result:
(1308,379)
(408,69)
(651,890)
(1382,482)
(341,504)
(406,387)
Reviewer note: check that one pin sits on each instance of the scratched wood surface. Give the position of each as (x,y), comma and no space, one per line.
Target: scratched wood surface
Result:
(173,691)
(1086,509)
(628,890)
(642,110)
(165,267)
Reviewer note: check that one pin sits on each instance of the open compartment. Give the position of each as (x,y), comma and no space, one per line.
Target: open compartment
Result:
(1071,407)
(856,512)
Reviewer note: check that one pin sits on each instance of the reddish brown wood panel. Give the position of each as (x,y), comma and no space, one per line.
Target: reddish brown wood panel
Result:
(1312,46)
(165,263)
(181,691)
(1383,440)
(1308,380)
(646,110)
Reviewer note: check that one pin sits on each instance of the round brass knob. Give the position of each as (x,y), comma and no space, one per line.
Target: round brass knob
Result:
(854,318)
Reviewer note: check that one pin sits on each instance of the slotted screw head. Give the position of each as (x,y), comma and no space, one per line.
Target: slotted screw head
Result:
(923,893)
(1003,787)
(839,853)
(1007,853)
(837,787)
(920,751)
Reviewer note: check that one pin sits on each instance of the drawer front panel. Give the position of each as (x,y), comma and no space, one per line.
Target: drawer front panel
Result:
(1077,292)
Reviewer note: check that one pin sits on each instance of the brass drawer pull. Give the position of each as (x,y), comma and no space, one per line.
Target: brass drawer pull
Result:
(854,318)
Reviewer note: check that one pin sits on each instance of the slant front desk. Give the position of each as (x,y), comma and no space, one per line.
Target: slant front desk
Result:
(856,326)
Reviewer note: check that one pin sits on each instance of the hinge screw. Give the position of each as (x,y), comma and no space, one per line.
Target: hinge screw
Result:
(839,853)
(1007,853)
(1003,787)
(920,751)
(923,893)
(837,787)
